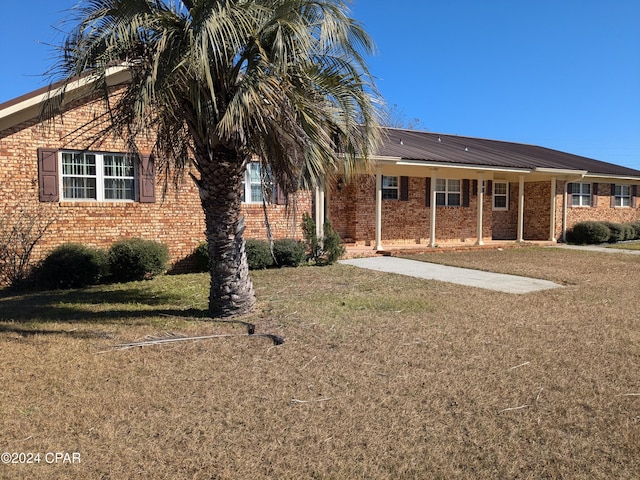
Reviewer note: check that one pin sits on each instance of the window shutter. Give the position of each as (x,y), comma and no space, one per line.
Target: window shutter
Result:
(280,197)
(634,194)
(465,192)
(570,188)
(594,188)
(427,200)
(146,179)
(474,188)
(404,188)
(48,190)
(489,189)
(594,195)
(613,195)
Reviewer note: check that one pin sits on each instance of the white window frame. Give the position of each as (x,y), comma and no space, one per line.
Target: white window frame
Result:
(583,197)
(445,196)
(390,187)
(622,199)
(248,182)
(504,195)
(97,174)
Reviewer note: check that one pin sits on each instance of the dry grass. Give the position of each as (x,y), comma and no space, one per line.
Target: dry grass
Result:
(381,377)
(626,246)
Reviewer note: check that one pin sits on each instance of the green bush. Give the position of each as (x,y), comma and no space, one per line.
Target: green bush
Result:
(137,259)
(72,265)
(258,254)
(635,228)
(588,233)
(332,245)
(200,258)
(629,231)
(310,237)
(616,232)
(289,252)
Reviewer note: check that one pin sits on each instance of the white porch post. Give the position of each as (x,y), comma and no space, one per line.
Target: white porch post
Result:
(552,232)
(480,206)
(432,226)
(379,209)
(319,213)
(565,206)
(521,209)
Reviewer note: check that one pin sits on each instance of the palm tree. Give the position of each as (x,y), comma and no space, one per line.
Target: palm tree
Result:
(222,82)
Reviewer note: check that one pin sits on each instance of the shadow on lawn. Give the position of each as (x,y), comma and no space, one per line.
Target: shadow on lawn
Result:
(123,305)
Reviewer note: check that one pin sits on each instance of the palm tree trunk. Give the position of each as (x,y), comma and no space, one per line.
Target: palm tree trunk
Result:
(231,291)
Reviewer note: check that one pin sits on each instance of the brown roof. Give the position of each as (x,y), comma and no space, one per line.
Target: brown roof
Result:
(453,149)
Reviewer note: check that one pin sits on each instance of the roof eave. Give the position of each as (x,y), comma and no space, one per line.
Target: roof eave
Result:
(17,112)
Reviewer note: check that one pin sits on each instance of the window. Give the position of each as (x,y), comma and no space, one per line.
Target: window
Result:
(622,196)
(96,176)
(390,188)
(500,196)
(447,192)
(252,184)
(581,194)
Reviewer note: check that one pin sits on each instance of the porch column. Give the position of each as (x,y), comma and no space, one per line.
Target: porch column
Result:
(432,226)
(379,209)
(565,206)
(552,232)
(480,206)
(320,212)
(520,208)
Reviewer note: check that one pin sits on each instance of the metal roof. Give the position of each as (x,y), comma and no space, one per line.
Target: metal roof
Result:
(454,149)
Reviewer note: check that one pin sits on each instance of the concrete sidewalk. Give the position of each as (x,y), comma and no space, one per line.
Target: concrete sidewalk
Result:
(461,276)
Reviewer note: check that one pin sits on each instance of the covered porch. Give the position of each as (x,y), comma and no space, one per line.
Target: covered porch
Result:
(534,206)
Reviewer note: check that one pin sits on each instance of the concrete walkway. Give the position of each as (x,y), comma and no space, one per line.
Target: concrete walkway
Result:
(462,276)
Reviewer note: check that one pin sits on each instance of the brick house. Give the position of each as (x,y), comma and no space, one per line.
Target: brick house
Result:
(426,188)
(97,193)
(482,190)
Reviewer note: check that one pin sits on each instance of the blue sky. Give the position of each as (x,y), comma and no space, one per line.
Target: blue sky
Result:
(563,74)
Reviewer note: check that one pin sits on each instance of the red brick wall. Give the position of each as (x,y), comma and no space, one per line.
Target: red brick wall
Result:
(352,213)
(600,209)
(175,219)
(505,222)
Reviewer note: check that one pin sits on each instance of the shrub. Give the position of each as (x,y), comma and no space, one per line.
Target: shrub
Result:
(258,254)
(21,228)
(588,233)
(616,232)
(137,259)
(635,229)
(332,245)
(72,265)
(628,231)
(289,252)
(201,257)
(310,237)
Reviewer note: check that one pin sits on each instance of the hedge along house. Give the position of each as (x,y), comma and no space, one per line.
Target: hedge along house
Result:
(97,192)
(435,189)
